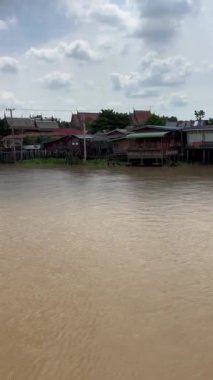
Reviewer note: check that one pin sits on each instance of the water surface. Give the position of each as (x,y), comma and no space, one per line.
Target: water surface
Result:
(106,274)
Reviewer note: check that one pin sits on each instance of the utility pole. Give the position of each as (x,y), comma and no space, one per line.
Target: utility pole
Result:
(14,147)
(85,142)
(84,137)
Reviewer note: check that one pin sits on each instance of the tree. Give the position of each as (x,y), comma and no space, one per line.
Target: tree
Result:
(172,119)
(199,115)
(156,120)
(108,120)
(4,130)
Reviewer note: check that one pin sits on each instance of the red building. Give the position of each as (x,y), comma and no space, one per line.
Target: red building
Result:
(139,117)
(67,144)
(80,118)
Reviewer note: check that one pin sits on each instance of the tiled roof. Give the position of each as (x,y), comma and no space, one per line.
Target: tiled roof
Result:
(46,124)
(20,123)
(83,117)
(139,117)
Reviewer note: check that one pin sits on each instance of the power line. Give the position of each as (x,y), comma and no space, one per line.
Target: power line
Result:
(51,110)
(39,109)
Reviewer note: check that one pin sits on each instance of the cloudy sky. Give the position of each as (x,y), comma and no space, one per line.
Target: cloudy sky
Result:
(57,56)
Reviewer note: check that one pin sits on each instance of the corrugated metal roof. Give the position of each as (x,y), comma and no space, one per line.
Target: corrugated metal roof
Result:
(146,135)
(81,137)
(20,123)
(47,124)
(199,128)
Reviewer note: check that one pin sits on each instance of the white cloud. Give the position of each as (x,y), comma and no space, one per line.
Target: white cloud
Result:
(155,72)
(154,21)
(80,50)
(161,20)
(6,24)
(103,11)
(8,99)
(169,71)
(9,64)
(57,80)
(179,100)
(46,55)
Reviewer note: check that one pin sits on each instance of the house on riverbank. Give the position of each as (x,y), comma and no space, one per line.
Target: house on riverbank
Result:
(23,125)
(72,145)
(98,146)
(149,145)
(199,142)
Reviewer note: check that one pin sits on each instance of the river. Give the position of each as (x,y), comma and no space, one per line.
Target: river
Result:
(106,274)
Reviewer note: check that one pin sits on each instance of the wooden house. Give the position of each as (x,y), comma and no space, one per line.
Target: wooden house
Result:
(199,142)
(68,144)
(150,145)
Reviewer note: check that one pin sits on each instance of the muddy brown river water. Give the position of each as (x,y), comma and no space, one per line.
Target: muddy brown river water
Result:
(106,274)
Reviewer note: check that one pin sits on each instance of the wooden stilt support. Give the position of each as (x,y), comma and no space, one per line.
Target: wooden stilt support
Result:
(204,156)
(187,155)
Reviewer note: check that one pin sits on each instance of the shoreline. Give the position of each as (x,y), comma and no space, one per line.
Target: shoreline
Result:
(97,163)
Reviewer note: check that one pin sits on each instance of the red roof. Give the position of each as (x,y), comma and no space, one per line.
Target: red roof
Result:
(139,117)
(82,117)
(65,132)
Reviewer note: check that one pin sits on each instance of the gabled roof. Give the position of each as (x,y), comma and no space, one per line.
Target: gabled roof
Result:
(139,117)
(83,117)
(61,138)
(117,130)
(146,135)
(20,123)
(169,128)
(88,116)
(46,124)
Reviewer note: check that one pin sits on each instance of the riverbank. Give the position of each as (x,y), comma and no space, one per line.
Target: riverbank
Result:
(101,163)
(64,162)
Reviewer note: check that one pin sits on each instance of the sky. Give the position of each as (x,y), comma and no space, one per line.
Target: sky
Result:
(60,56)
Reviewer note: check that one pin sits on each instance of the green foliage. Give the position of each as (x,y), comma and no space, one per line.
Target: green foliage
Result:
(199,115)
(109,120)
(210,121)
(4,130)
(172,118)
(156,120)
(44,161)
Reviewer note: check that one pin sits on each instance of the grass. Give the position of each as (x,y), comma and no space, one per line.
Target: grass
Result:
(44,161)
(101,163)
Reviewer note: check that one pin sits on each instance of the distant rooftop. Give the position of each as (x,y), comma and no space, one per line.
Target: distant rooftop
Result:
(47,124)
(20,123)
(139,117)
